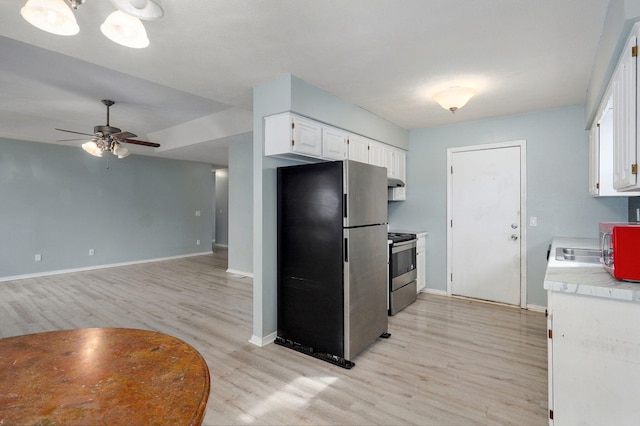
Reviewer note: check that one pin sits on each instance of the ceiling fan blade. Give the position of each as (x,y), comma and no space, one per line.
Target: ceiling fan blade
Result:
(123,135)
(144,143)
(77,133)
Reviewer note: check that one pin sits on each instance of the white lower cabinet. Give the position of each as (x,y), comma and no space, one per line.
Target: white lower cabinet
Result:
(594,360)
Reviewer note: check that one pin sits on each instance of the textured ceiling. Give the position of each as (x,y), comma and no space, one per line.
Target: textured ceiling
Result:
(386,56)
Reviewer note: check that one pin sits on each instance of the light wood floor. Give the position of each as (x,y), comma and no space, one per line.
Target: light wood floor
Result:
(448,362)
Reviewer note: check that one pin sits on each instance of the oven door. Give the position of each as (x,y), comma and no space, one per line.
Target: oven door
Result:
(402,267)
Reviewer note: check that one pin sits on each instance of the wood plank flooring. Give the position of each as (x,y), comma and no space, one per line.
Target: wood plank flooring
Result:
(449,361)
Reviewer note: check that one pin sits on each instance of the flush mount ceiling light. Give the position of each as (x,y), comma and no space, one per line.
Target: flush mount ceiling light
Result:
(125,30)
(454,98)
(148,10)
(123,26)
(53,16)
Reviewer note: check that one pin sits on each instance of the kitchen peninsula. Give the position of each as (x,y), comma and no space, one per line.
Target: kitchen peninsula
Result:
(594,342)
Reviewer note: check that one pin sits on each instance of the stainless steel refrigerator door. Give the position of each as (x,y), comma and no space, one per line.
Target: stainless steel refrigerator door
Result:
(365,287)
(366,189)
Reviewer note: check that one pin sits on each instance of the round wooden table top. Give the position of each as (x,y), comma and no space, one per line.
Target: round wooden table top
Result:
(101,376)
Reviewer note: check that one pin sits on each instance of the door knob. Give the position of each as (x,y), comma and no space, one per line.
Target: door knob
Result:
(514,226)
(514,237)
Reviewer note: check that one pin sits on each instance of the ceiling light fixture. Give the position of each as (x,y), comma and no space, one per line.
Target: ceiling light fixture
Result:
(97,147)
(454,98)
(148,10)
(122,26)
(125,30)
(52,16)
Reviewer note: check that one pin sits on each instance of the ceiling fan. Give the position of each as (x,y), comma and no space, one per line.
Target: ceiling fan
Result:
(108,138)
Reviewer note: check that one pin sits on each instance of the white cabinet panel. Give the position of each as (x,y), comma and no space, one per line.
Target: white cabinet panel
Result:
(358,148)
(624,89)
(421,262)
(307,137)
(334,143)
(376,154)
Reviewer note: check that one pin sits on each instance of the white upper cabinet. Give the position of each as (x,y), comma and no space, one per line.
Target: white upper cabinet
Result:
(291,136)
(625,106)
(334,143)
(358,148)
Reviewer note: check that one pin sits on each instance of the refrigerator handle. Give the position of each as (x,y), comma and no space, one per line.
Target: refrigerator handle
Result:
(346,250)
(344,205)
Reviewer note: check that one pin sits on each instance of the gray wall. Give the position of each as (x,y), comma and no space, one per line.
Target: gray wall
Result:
(289,93)
(222,207)
(557,186)
(60,202)
(241,207)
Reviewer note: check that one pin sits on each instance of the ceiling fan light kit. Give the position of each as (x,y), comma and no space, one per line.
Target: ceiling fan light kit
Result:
(454,98)
(125,30)
(148,10)
(109,138)
(52,16)
(122,26)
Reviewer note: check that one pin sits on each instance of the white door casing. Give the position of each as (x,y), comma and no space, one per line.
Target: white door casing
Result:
(486,222)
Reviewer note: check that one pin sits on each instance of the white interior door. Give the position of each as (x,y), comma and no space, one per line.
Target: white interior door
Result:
(485,223)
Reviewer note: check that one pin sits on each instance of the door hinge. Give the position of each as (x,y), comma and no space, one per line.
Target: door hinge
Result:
(550,334)
(347,141)
(598,185)
(634,169)
(452,277)
(451,224)
(293,125)
(451,169)
(634,51)
(292,142)
(551,414)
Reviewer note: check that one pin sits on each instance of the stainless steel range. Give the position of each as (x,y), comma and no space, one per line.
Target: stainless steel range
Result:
(402,271)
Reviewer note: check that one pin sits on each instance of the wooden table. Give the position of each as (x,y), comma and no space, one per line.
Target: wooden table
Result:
(101,376)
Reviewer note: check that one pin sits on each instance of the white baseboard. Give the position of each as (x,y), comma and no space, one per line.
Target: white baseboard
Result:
(536,308)
(242,273)
(91,268)
(263,341)
(434,291)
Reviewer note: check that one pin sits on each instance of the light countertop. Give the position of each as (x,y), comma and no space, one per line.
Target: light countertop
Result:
(585,278)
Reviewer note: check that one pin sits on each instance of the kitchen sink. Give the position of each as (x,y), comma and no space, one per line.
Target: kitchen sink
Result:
(578,255)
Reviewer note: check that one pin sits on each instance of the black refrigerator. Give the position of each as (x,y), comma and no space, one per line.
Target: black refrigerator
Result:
(332,258)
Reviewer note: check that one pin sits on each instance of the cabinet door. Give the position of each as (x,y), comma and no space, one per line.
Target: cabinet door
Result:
(358,148)
(421,264)
(307,137)
(400,165)
(334,144)
(376,154)
(594,159)
(389,154)
(624,125)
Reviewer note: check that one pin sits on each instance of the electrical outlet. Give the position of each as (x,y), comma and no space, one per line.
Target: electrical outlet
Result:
(533,221)
(197,242)
(91,252)
(38,257)
(197,212)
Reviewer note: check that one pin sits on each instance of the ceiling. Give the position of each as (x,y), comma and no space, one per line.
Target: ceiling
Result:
(191,89)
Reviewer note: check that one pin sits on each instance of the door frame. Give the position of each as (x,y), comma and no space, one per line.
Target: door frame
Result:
(522,144)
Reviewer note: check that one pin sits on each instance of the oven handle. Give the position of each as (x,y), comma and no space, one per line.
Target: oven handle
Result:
(404,245)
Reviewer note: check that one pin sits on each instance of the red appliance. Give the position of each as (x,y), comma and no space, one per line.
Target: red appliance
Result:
(620,246)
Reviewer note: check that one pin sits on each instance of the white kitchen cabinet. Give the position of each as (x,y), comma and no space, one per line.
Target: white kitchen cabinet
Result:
(594,356)
(376,154)
(290,134)
(421,261)
(334,143)
(624,89)
(358,148)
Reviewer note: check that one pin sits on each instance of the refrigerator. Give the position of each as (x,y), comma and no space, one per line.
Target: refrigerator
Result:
(332,258)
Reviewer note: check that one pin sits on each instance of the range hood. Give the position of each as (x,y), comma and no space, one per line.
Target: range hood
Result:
(394,183)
